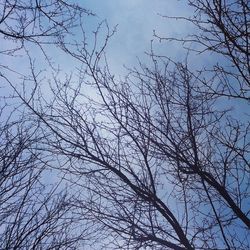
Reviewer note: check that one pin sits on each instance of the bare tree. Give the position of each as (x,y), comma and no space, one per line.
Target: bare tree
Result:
(221,27)
(39,22)
(162,167)
(161,163)
(34,27)
(34,207)
(156,160)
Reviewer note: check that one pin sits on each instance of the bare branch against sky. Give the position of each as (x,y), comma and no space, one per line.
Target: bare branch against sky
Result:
(124,124)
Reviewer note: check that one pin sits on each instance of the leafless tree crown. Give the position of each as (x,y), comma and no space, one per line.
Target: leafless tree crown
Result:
(156,160)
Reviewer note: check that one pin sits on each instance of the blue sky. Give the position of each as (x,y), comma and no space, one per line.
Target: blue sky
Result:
(136,20)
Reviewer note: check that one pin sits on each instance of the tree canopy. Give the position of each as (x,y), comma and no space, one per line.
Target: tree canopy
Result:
(156,159)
